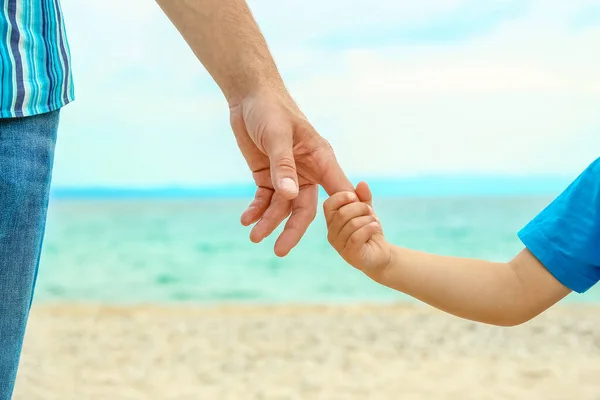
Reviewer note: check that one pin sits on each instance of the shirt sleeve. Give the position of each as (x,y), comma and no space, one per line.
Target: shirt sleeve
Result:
(565,236)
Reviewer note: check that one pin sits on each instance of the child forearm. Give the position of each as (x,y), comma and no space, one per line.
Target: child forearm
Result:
(495,293)
(503,294)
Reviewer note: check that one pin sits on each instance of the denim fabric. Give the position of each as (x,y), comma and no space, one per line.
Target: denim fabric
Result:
(26,158)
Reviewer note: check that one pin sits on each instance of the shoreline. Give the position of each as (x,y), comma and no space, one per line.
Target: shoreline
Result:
(359,351)
(267,306)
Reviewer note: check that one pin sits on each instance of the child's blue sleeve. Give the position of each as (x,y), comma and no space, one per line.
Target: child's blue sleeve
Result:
(565,236)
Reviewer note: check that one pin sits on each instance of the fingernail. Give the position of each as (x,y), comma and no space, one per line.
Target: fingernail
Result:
(352,197)
(288,185)
(370,209)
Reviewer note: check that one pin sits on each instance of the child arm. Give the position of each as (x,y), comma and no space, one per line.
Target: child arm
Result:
(562,255)
(504,294)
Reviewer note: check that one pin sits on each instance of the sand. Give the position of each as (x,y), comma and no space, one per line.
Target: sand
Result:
(85,352)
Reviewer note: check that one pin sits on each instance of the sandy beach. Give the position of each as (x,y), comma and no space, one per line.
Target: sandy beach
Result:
(82,352)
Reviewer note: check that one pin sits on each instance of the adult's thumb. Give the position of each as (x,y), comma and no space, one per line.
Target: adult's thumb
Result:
(283,169)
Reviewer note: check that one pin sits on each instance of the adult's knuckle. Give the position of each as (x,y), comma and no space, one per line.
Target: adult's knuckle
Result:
(267,135)
(286,162)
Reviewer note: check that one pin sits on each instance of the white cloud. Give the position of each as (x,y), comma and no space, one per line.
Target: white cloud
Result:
(301,19)
(521,97)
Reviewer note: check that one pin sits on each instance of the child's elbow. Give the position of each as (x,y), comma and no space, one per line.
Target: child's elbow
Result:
(511,322)
(515,318)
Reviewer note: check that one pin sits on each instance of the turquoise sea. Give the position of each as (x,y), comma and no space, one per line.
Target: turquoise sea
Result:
(195,250)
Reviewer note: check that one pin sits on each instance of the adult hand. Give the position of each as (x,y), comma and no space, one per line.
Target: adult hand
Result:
(288,160)
(286,155)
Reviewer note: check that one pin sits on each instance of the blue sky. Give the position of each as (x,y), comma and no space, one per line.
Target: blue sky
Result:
(400,88)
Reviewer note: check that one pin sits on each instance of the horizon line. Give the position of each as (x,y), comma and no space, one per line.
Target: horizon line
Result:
(418,186)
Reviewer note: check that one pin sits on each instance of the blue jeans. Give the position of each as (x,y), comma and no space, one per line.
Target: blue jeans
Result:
(26,158)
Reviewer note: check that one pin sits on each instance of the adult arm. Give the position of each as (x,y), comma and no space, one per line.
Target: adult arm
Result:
(286,155)
(226,39)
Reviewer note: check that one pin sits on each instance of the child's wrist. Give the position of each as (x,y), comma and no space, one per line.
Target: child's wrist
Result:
(382,273)
(394,273)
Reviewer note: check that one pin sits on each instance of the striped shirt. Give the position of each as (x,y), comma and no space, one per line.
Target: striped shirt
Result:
(35,71)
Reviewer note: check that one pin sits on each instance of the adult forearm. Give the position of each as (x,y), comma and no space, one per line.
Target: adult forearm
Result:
(483,291)
(226,39)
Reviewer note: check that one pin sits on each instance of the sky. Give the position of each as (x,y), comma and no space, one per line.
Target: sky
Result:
(400,88)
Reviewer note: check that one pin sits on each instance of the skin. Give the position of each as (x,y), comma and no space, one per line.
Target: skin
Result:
(504,294)
(286,155)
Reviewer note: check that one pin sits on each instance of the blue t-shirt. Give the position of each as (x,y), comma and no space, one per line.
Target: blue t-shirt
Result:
(565,236)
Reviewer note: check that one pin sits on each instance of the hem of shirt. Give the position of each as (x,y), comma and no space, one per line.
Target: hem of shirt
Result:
(555,262)
(38,110)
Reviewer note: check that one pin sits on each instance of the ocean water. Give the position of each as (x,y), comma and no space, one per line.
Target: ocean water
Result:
(148,251)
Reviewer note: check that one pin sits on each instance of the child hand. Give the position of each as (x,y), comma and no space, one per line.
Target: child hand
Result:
(354,230)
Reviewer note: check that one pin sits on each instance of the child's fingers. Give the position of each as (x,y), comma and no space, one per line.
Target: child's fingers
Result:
(342,216)
(360,237)
(335,202)
(351,227)
(364,193)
